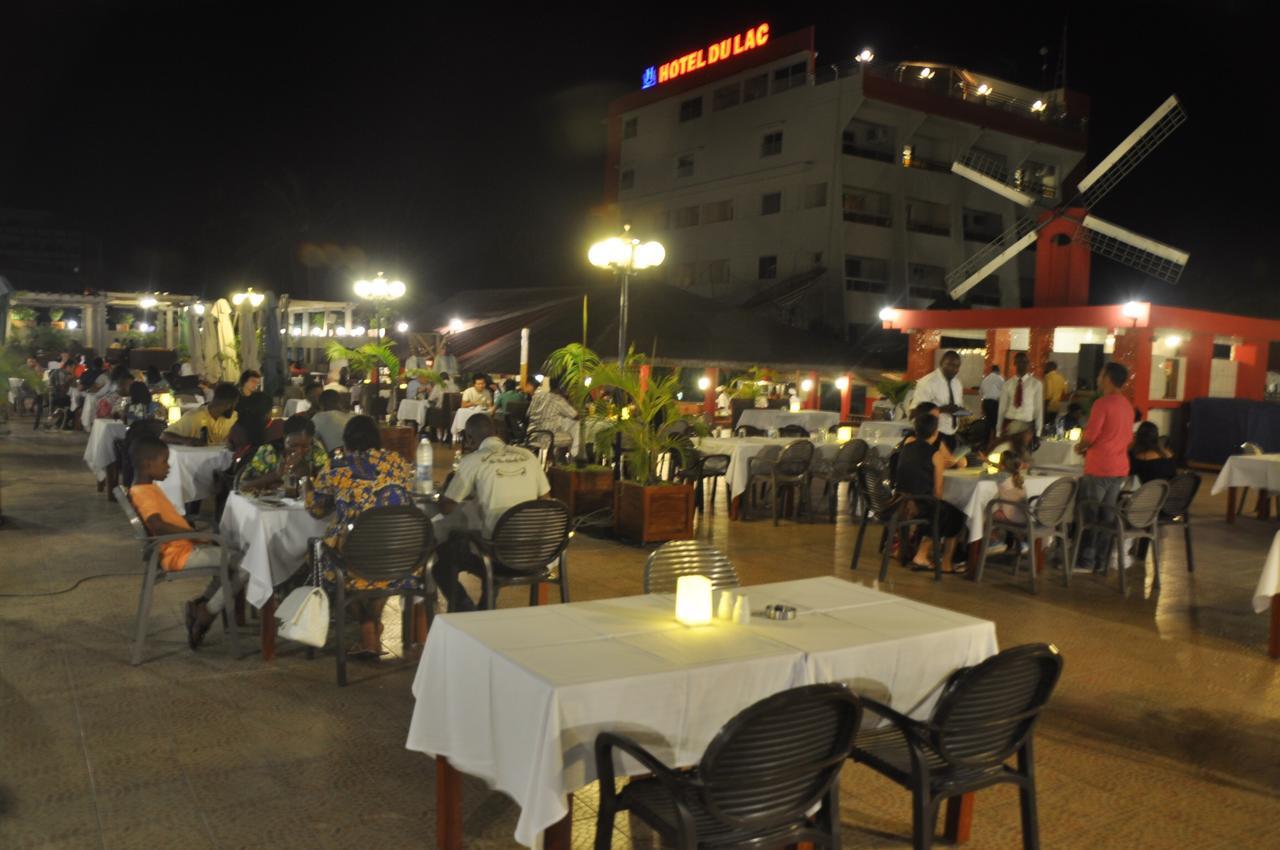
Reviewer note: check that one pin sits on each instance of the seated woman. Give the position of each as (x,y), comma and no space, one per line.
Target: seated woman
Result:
(297,453)
(360,476)
(1018,437)
(141,406)
(1149,460)
(921,463)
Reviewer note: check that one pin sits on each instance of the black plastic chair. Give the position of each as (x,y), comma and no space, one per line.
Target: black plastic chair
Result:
(1177,509)
(985,716)
(391,544)
(881,505)
(842,469)
(1046,515)
(704,468)
(1134,517)
(757,781)
(687,558)
(791,470)
(152,573)
(798,431)
(527,542)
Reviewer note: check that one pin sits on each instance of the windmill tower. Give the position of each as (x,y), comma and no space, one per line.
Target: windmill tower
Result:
(1065,234)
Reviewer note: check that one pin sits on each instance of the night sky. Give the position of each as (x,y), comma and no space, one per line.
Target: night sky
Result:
(296,148)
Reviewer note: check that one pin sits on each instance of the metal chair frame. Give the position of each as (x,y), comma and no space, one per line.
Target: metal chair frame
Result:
(687,557)
(506,565)
(152,572)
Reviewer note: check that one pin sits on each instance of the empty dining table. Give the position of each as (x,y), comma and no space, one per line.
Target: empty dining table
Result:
(100,451)
(1261,472)
(740,451)
(517,696)
(812,421)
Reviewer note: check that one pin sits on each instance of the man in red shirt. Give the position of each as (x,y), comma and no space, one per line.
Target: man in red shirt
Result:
(1105,446)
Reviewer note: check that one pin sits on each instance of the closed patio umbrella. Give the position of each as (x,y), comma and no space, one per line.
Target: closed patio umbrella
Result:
(248,336)
(273,376)
(226,364)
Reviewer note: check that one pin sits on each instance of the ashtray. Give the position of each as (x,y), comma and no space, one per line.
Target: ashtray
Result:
(780,612)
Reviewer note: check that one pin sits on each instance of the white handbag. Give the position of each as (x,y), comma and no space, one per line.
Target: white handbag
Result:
(304,613)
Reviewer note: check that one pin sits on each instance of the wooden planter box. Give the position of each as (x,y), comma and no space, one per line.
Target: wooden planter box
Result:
(402,440)
(583,490)
(653,514)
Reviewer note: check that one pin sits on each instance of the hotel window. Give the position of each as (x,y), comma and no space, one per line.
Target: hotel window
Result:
(754,88)
(767,268)
(771,203)
(771,144)
(686,217)
(627,180)
(866,274)
(630,127)
(873,141)
(927,282)
(929,154)
(790,77)
(867,207)
(928,217)
(726,96)
(980,225)
(815,195)
(684,165)
(686,275)
(1036,178)
(719,211)
(691,109)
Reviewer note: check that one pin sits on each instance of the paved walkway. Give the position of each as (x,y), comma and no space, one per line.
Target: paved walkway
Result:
(1165,730)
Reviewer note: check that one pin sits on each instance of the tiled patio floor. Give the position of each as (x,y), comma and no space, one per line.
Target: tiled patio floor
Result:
(1164,732)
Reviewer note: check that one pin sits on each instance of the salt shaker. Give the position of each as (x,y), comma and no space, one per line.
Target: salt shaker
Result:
(724,605)
(742,610)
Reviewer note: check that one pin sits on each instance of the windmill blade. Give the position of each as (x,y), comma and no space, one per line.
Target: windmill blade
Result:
(990,183)
(993,255)
(1135,148)
(1124,246)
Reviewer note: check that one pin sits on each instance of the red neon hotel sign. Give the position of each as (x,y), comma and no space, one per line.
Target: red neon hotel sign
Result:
(715,52)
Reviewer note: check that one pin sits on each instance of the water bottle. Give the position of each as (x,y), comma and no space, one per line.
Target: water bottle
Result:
(424,483)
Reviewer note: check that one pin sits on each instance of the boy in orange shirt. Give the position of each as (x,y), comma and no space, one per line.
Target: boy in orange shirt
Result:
(151,464)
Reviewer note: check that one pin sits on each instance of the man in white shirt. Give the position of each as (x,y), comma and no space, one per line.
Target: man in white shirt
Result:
(331,419)
(497,477)
(943,388)
(444,385)
(478,395)
(990,390)
(1022,397)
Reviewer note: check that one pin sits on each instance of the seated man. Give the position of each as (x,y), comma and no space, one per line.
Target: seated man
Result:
(151,464)
(298,454)
(478,395)
(332,418)
(498,477)
(445,385)
(509,394)
(209,424)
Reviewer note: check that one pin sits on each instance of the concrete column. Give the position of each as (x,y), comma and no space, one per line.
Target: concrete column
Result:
(1040,349)
(998,350)
(921,349)
(709,397)
(1251,369)
(846,397)
(1198,351)
(1133,351)
(811,401)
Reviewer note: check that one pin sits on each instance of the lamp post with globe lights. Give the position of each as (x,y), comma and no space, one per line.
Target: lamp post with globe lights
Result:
(625,255)
(381,292)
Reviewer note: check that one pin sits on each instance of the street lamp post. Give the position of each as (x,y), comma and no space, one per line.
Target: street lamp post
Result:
(626,255)
(380,291)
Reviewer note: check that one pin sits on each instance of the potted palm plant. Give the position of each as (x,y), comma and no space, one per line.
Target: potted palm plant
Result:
(22,317)
(55,318)
(368,358)
(583,486)
(645,508)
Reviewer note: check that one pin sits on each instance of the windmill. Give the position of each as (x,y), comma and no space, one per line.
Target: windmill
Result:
(1066,233)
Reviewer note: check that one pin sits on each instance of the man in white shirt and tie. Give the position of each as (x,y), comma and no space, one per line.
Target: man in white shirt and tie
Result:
(1022,397)
(990,390)
(943,388)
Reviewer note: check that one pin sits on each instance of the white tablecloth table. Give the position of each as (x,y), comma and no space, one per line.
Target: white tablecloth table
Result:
(100,451)
(1058,453)
(193,473)
(296,405)
(1261,472)
(460,418)
(741,449)
(811,420)
(413,409)
(273,539)
(875,430)
(1267,595)
(517,696)
(971,490)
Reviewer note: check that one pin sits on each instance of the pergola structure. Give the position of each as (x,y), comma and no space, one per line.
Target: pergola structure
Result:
(94,332)
(1174,345)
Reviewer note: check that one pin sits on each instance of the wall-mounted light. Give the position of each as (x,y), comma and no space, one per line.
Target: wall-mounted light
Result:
(704,383)
(984,89)
(1038,106)
(842,383)
(865,56)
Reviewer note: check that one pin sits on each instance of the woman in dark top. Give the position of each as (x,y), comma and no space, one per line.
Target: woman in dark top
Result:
(254,407)
(921,462)
(1147,458)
